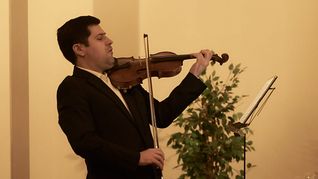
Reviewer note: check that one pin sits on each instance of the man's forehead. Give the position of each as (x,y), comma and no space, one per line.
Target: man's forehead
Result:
(96,29)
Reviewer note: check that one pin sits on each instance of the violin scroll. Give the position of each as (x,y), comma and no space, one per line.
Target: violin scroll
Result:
(216,58)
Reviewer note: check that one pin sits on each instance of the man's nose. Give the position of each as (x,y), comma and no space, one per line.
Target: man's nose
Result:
(108,41)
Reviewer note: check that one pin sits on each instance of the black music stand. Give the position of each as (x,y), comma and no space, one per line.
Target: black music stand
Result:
(253,111)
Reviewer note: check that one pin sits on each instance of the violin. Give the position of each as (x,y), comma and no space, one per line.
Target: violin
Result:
(128,71)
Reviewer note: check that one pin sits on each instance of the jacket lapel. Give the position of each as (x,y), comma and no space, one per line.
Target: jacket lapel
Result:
(141,121)
(102,87)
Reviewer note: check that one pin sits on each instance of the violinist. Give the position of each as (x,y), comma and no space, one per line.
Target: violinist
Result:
(106,126)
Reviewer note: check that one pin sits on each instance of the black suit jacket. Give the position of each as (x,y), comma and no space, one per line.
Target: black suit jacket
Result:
(100,129)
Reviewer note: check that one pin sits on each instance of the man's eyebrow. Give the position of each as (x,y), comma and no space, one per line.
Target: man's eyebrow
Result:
(102,33)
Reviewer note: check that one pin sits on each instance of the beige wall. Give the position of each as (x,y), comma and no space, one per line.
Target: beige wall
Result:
(50,153)
(125,35)
(269,37)
(4,91)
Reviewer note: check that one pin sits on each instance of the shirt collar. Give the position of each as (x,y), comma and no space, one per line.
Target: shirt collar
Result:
(99,75)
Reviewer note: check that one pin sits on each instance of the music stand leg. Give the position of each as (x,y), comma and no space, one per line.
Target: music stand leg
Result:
(244,156)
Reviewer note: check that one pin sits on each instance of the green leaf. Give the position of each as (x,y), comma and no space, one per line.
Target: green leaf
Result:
(213,73)
(216,78)
(231,67)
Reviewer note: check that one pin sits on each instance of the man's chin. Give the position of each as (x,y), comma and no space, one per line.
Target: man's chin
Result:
(110,65)
(113,62)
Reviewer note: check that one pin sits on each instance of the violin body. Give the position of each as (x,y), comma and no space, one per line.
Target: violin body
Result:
(128,71)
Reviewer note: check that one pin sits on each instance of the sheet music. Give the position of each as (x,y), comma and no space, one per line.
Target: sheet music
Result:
(258,99)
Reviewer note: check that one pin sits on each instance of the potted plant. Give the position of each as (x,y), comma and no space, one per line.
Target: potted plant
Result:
(207,147)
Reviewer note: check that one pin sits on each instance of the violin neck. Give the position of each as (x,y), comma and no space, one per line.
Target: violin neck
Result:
(214,58)
(172,58)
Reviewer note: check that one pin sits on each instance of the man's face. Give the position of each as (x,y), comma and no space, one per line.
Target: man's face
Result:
(99,52)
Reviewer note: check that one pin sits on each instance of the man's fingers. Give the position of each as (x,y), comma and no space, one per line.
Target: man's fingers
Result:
(160,159)
(152,157)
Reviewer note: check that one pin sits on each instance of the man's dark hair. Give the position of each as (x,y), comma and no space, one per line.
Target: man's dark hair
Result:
(72,32)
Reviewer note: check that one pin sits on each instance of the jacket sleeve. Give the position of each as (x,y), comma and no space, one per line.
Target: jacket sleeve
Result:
(180,97)
(77,123)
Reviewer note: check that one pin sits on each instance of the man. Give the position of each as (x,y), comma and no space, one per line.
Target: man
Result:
(109,128)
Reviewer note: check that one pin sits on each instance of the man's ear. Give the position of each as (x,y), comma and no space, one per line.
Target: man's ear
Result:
(79,49)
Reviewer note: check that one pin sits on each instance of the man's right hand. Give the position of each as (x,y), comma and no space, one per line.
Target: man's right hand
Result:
(152,156)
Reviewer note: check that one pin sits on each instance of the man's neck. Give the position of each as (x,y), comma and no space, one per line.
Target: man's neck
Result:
(97,73)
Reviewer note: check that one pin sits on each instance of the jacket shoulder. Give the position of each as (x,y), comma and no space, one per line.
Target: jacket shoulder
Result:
(70,84)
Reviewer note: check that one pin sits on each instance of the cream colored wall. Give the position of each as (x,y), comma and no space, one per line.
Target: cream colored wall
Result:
(269,37)
(50,153)
(125,35)
(4,91)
